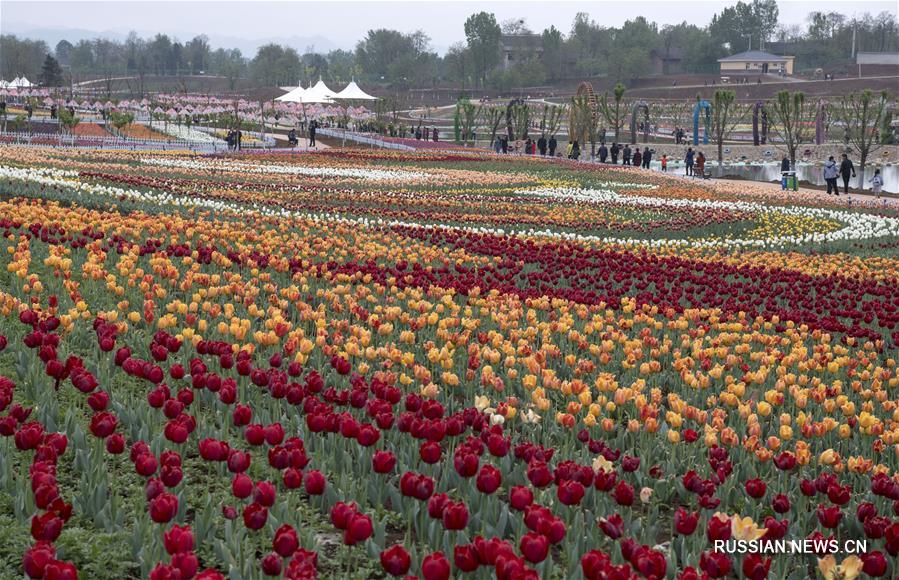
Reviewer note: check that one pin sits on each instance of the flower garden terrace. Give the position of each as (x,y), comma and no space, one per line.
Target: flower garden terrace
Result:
(419,378)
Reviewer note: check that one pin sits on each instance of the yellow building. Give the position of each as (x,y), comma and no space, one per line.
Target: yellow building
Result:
(756,61)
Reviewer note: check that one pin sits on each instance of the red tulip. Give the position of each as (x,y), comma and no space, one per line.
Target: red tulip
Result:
(314,482)
(489,479)
(265,493)
(623,494)
(455,516)
(685,522)
(271,564)
(383,462)
(755,567)
(874,563)
(534,547)
(396,560)
(520,497)
(242,486)
(829,516)
(718,529)
(430,452)
(115,444)
(539,474)
(781,503)
(163,508)
(612,526)
(755,488)
(715,564)
(178,539)
(285,542)
(571,492)
(435,566)
(36,559)
(437,504)
(187,563)
(255,516)
(465,557)
(359,529)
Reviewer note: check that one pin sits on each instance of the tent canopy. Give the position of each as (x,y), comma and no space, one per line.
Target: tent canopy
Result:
(353,92)
(293,96)
(318,93)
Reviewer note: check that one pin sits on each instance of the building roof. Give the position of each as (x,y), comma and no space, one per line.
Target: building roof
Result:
(754,56)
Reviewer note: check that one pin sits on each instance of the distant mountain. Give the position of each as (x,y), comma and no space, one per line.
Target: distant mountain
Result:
(247,46)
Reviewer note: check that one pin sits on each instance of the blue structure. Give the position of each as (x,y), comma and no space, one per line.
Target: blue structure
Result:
(707,107)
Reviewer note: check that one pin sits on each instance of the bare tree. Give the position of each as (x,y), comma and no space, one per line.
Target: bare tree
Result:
(790,120)
(727,113)
(614,112)
(492,117)
(861,113)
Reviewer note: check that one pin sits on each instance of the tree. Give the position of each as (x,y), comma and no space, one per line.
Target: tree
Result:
(51,72)
(21,57)
(63,51)
(69,121)
(726,115)
(515,26)
(861,113)
(466,119)
(458,62)
(788,111)
(482,34)
(614,112)
(492,118)
(276,65)
(198,53)
(552,52)
(551,120)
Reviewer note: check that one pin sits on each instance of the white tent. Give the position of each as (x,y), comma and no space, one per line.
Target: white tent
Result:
(293,96)
(318,93)
(353,92)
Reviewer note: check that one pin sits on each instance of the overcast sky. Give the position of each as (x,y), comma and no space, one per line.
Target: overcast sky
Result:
(341,24)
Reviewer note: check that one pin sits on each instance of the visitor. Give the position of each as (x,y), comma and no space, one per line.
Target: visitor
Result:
(876,183)
(552,145)
(688,161)
(541,145)
(700,164)
(603,152)
(497,145)
(575,151)
(292,138)
(846,169)
(505,144)
(239,139)
(434,135)
(527,146)
(614,153)
(568,149)
(638,157)
(418,133)
(665,163)
(830,176)
(626,155)
(647,157)
(313,125)
(785,164)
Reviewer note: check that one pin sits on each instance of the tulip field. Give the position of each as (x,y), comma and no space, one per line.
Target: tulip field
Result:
(366,364)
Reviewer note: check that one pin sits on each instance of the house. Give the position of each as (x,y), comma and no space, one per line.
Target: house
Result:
(756,61)
(515,48)
(666,61)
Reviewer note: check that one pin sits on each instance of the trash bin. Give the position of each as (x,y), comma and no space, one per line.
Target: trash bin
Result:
(788,181)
